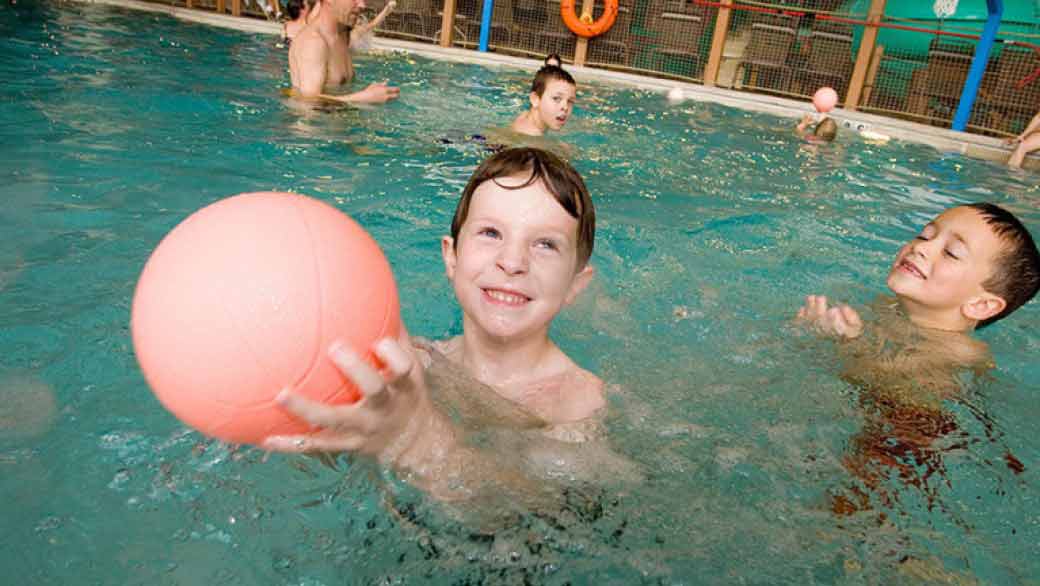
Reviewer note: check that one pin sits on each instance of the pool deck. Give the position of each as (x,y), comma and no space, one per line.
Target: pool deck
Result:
(983,147)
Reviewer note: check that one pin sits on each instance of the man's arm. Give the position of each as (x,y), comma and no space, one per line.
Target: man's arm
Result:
(369,26)
(310,55)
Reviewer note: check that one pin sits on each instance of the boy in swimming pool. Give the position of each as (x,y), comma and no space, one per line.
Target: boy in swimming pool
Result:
(971,266)
(517,254)
(553,91)
(826,130)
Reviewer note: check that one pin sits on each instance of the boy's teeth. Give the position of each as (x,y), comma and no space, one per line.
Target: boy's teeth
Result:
(506,297)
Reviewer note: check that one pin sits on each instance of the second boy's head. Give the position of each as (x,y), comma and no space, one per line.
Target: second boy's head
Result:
(826,130)
(520,242)
(969,267)
(553,92)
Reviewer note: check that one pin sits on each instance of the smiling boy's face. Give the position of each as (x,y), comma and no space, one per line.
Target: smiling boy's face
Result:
(515,264)
(943,268)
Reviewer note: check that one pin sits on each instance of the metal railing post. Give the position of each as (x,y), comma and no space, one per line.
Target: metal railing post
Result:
(978,64)
(447,23)
(866,49)
(581,47)
(485,24)
(718,43)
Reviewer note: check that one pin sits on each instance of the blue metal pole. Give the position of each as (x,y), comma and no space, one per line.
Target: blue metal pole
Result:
(978,64)
(485,24)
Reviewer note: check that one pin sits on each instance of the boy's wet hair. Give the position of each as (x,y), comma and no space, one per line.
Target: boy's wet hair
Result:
(549,73)
(1016,270)
(826,130)
(558,177)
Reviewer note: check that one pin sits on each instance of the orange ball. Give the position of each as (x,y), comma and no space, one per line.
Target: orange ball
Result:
(243,299)
(825,99)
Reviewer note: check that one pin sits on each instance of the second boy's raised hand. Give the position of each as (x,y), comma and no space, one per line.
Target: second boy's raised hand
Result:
(839,320)
(379,423)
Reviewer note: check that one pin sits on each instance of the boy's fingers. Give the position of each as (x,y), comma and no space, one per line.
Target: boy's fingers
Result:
(314,443)
(313,412)
(835,319)
(367,380)
(398,362)
(850,315)
(819,305)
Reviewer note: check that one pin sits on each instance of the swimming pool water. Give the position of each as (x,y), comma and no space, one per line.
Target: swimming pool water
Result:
(714,223)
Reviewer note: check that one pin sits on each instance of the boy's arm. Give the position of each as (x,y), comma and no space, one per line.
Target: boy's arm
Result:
(803,126)
(396,423)
(1033,126)
(392,418)
(840,320)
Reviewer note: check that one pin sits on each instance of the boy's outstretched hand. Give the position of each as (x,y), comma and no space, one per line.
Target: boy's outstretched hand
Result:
(841,320)
(384,423)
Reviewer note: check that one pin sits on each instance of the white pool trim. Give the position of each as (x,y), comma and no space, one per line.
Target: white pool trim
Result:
(984,147)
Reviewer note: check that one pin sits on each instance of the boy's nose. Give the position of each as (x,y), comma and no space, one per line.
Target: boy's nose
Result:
(512,259)
(922,247)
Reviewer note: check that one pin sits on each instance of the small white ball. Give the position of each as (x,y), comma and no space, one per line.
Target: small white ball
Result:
(676,95)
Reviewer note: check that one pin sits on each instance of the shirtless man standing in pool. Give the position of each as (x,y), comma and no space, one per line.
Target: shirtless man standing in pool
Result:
(320,56)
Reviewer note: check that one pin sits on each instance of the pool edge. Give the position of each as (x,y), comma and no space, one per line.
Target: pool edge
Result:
(976,146)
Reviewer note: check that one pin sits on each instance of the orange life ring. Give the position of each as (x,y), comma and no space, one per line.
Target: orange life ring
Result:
(584,26)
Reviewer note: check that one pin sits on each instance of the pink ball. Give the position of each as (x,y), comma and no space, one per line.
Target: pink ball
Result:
(243,299)
(825,99)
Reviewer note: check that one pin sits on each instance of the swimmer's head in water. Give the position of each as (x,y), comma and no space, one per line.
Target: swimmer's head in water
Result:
(826,129)
(977,262)
(547,74)
(297,8)
(536,165)
(553,92)
(1015,273)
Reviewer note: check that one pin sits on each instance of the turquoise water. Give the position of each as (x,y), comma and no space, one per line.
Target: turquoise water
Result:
(713,224)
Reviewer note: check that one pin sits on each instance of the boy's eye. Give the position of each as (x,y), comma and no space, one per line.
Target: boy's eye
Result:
(921,237)
(947,252)
(489,232)
(547,244)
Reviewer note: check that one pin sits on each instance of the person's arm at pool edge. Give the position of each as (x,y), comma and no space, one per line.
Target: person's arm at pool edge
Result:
(369,26)
(1033,125)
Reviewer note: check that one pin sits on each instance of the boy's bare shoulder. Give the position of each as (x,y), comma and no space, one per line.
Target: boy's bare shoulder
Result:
(576,395)
(967,352)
